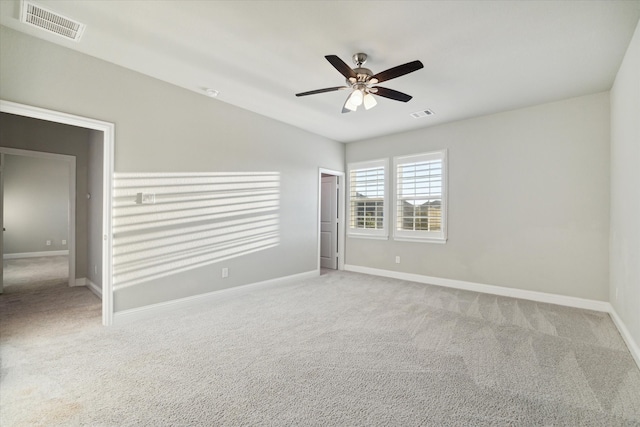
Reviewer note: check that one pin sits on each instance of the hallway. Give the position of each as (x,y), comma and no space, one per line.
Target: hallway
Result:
(36,293)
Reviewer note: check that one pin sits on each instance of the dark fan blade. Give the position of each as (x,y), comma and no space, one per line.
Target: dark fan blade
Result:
(341,66)
(392,94)
(398,71)
(329,89)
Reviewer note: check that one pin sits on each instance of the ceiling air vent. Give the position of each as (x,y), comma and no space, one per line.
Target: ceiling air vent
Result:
(50,21)
(419,114)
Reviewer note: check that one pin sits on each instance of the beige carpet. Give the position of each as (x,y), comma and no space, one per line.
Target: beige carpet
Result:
(342,349)
(30,274)
(37,297)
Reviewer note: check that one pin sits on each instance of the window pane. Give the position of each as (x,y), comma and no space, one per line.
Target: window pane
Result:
(419,196)
(367,198)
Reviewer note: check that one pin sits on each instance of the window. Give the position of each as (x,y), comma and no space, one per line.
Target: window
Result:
(420,205)
(367,199)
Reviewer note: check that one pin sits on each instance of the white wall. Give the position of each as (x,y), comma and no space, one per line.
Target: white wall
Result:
(625,190)
(36,202)
(163,128)
(528,200)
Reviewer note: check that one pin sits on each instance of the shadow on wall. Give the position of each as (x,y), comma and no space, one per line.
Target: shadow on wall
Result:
(167,223)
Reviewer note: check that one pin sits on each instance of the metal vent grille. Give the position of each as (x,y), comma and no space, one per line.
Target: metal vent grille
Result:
(50,21)
(420,114)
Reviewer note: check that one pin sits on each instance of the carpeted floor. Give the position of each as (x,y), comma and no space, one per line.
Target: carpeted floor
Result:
(32,274)
(37,298)
(343,349)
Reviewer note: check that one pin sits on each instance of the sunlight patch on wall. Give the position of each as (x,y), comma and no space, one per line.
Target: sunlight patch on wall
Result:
(167,223)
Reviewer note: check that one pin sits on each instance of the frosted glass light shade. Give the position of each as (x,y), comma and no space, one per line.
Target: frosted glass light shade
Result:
(349,106)
(356,97)
(369,101)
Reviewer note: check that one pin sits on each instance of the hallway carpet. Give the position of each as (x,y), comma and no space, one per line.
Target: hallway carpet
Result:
(29,274)
(37,298)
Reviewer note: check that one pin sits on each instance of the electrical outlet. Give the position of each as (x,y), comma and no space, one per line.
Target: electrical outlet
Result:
(64,242)
(225,272)
(95,269)
(48,242)
(397,259)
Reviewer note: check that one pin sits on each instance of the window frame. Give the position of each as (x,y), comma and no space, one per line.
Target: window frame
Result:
(369,233)
(421,235)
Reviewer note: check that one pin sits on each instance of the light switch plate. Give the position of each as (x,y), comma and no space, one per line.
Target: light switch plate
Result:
(145,198)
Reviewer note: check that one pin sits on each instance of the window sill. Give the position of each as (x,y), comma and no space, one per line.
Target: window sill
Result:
(440,241)
(366,236)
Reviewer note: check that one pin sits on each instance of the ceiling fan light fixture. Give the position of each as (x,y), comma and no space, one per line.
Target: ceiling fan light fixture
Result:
(349,105)
(356,97)
(369,101)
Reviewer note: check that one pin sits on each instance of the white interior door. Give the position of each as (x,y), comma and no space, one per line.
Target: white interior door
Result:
(329,223)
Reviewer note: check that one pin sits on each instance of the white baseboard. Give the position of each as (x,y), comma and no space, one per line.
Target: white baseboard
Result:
(83,281)
(34,254)
(153,310)
(575,302)
(487,289)
(628,339)
(94,288)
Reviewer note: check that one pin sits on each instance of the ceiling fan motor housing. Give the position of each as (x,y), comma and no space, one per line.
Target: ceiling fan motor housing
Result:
(362,74)
(362,80)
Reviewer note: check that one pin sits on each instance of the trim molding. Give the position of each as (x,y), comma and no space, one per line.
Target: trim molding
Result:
(149,311)
(108,133)
(97,290)
(80,281)
(34,254)
(626,335)
(341,213)
(567,301)
(487,289)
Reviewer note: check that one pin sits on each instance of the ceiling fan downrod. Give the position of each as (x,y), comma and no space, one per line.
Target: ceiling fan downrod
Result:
(359,59)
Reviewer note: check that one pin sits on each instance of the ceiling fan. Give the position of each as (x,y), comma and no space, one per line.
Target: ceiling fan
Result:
(361,82)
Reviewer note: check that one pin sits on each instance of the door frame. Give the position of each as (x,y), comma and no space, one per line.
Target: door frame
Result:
(341,213)
(71,218)
(2,221)
(108,132)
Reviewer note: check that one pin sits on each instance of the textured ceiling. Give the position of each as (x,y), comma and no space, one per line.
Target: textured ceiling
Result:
(480,57)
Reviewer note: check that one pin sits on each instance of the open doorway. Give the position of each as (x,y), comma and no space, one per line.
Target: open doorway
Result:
(331,220)
(38,219)
(101,139)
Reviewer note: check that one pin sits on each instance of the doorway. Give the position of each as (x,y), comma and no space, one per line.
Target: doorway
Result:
(106,133)
(331,220)
(39,205)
